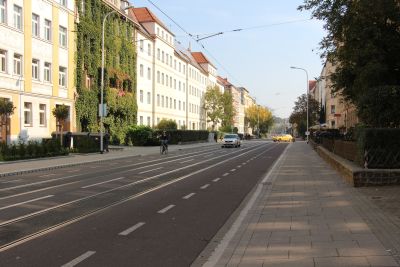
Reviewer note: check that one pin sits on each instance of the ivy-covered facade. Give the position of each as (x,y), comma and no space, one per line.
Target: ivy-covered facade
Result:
(120,69)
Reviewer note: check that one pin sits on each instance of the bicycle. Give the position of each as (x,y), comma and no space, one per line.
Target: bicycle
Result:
(163,148)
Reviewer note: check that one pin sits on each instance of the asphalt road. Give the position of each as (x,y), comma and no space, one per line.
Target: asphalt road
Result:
(140,211)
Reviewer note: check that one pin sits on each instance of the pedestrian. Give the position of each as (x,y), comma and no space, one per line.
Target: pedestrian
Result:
(216,137)
(106,140)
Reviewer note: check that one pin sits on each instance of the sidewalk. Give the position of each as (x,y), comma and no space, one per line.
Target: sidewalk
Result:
(304,214)
(25,166)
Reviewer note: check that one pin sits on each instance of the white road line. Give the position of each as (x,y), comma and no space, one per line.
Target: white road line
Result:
(205,186)
(151,170)
(164,210)
(189,196)
(187,160)
(239,166)
(226,174)
(74,170)
(131,229)
(81,258)
(103,182)
(12,181)
(36,183)
(47,175)
(233,170)
(216,180)
(28,201)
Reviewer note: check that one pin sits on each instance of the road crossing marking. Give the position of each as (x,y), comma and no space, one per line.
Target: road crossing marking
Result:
(189,195)
(103,182)
(131,229)
(164,210)
(205,186)
(216,180)
(226,174)
(79,259)
(150,170)
(28,201)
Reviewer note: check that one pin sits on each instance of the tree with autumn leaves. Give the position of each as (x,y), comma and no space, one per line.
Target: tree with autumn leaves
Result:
(219,107)
(258,118)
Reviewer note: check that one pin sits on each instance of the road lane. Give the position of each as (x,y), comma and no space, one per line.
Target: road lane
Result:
(176,237)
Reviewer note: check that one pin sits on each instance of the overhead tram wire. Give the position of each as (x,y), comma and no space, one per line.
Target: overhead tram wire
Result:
(192,37)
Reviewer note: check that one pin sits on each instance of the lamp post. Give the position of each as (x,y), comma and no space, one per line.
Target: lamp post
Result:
(297,68)
(102,72)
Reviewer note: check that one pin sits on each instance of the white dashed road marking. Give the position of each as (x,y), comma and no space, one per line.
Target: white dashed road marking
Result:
(216,180)
(131,229)
(81,258)
(164,210)
(28,201)
(103,182)
(233,170)
(151,170)
(189,195)
(225,174)
(205,186)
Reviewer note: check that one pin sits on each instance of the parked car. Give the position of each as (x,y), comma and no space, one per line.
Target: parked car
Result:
(231,140)
(283,138)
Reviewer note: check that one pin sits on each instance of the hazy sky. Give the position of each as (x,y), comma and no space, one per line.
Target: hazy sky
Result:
(258,59)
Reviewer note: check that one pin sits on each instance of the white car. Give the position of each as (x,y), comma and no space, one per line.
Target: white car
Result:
(232,140)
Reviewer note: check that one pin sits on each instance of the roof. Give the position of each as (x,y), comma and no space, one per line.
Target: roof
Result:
(312,84)
(224,81)
(143,15)
(201,58)
(133,17)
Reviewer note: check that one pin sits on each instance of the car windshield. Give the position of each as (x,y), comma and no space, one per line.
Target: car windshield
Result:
(230,136)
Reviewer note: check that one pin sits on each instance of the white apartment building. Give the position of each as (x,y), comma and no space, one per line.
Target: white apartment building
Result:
(37,50)
(171,77)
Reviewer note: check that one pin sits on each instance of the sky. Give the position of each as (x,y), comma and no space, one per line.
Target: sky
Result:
(258,59)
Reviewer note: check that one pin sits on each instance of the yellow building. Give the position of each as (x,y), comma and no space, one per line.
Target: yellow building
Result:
(37,51)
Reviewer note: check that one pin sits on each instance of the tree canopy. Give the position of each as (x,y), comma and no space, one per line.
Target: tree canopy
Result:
(258,116)
(213,105)
(363,43)
(299,114)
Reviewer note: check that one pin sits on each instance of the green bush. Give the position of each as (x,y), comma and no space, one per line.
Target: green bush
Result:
(140,135)
(165,124)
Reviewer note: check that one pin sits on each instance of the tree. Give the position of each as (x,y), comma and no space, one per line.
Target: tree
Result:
(363,43)
(6,110)
(213,105)
(61,113)
(299,114)
(259,117)
(228,110)
(165,124)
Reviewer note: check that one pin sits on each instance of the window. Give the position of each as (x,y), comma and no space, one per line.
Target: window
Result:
(184,87)
(35,25)
(141,70)
(62,77)
(17,64)
(158,100)
(166,101)
(179,85)
(3,61)
(17,17)
(170,61)
(166,80)
(162,56)
(141,120)
(148,73)
(63,2)
(158,76)
(162,101)
(184,69)
(47,72)
(47,30)
(179,105)
(148,98)
(35,69)
(175,64)
(183,105)
(179,67)
(158,53)
(175,84)
(148,121)
(174,103)
(170,102)
(149,49)
(170,81)
(162,78)
(3,13)
(42,114)
(166,58)
(141,96)
(158,31)
(28,114)
(63,36)
(141,45)
(333,109)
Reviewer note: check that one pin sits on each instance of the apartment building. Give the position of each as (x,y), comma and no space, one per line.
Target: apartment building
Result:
(247,101)
(37,49)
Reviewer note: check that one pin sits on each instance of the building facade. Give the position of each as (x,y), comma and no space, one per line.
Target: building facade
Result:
(37,50)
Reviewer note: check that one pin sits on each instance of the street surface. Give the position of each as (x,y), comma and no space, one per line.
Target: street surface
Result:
(141,211)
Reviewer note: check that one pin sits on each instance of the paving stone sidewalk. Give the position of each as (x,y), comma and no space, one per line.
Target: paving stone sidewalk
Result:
(306,215)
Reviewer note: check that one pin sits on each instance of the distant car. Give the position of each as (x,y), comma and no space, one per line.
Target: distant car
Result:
(231,140)
(283,138)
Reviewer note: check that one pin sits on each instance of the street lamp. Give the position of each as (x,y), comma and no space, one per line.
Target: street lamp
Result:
(102,72)
(297,68)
